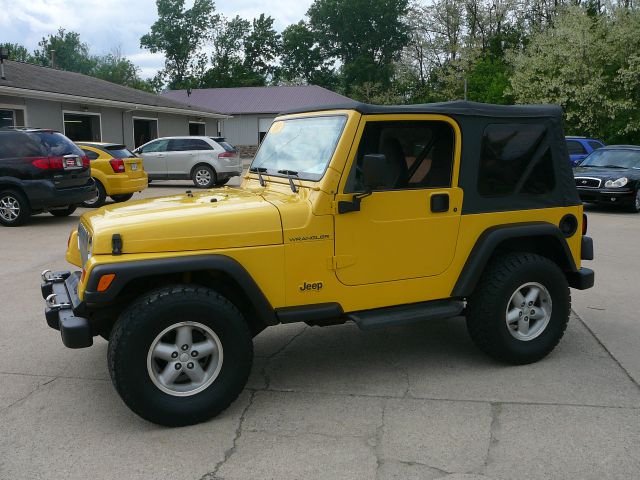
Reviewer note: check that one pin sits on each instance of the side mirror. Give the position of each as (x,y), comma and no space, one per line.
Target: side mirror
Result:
(374,170)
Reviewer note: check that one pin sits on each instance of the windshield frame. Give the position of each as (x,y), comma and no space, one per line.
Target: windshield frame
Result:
(601,151)
(304,176)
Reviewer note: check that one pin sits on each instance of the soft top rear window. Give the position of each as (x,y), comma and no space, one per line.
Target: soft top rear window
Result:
(119,151)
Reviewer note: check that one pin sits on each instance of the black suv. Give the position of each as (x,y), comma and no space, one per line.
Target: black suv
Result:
(41,170)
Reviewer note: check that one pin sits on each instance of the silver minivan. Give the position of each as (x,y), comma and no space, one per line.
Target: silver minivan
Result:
(208,161)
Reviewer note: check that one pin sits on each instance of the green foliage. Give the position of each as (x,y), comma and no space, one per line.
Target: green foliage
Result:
(302,60)
(262,47)
(179,33)
(18,52)
(70,53)
(590,65)
(365,36)
(115,68)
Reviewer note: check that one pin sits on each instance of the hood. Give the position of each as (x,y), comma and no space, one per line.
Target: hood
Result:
(206,220)
(605,173)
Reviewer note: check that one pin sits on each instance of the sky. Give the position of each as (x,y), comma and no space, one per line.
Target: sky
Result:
(108,24)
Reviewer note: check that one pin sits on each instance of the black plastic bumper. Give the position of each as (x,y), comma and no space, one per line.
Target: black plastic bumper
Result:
(42,194)
(582,279)
(60,291)
(611,196)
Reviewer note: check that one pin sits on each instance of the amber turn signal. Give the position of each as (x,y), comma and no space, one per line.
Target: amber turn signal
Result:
(105,281)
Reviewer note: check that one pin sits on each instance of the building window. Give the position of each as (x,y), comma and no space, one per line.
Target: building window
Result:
(7,118)
(197,129)
(82,126)
(144,130)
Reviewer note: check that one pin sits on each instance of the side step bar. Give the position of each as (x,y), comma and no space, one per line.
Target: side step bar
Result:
(406,314)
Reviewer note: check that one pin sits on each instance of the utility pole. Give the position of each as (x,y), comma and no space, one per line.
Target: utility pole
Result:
(53,58)
(465,89)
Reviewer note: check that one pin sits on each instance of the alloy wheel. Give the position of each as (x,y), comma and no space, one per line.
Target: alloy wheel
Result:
(9,208)
(185,359)
(203,177)
(528,311)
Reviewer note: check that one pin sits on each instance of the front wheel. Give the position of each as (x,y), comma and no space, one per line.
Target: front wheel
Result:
(520,308)
(635,203)
(180,355)
(203,176)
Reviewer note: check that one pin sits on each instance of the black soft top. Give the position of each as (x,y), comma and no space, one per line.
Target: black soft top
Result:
(455,108)
(476,122)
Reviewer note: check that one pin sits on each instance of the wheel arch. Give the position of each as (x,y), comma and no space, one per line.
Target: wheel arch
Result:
(218,272)
(541,238)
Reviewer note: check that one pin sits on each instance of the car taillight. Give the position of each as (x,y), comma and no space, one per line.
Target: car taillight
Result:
(226,155)
(585,224)
(48,163)
(85,161)
(117,164)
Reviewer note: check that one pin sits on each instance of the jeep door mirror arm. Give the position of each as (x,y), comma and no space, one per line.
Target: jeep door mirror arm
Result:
(345,206)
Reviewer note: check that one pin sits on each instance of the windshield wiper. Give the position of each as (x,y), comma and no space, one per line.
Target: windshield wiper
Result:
(290,174)
(259,171)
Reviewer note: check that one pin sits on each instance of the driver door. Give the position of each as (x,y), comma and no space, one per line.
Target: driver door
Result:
(407,227)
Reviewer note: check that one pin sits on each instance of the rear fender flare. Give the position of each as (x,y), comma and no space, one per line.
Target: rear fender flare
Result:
(492,238)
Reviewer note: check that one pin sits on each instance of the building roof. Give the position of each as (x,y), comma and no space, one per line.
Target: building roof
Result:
(34,81)
(257,100)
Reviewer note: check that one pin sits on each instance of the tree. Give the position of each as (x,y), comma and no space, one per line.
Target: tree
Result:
(261,48)
(18,52)
(366,36)
(116,68)
(590,65)
(179,33)
(302,60)
(70,53)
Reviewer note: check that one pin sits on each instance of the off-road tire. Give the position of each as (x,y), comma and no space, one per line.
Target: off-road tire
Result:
(203,172)
(15,197)
(144,319)
(100,199)
(487,307)
(63,212)
(122,197)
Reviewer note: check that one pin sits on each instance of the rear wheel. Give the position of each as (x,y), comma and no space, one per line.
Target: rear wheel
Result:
(180,355)
(14,208)
(520,309)
(63,212)
(98,200)
(203,176)
(122,198)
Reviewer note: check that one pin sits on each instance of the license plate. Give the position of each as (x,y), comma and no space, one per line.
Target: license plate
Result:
(134,167)
(72,162)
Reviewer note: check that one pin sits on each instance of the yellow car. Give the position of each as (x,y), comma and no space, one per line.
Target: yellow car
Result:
(118,173)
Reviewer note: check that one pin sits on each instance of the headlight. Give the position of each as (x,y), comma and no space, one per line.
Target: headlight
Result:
(620,182)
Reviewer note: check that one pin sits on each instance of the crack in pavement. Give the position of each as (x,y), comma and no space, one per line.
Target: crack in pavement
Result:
(212,475)
(263,371)
(496,410)
(603,346)
(22,399)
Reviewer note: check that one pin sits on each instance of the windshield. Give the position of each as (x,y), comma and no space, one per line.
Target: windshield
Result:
(301,145)
(613,159)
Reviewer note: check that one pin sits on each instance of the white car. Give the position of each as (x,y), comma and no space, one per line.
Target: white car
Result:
(208,161)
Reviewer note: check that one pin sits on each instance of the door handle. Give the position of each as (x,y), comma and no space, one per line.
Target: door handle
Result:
(440,202)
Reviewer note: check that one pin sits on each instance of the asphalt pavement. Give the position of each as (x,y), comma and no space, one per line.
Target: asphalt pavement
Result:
(415,402)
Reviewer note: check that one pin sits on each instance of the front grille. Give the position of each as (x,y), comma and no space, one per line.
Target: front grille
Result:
(84,240)
(588,182)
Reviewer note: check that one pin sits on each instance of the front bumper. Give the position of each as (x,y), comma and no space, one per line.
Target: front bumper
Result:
(60,292)
(607,195)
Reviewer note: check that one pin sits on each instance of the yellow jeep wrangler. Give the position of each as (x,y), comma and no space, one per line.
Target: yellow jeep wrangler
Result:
(380,215)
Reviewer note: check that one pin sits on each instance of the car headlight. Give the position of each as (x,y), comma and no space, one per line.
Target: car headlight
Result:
(620,182)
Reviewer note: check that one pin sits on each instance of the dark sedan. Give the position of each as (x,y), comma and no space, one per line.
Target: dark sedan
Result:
(611,175)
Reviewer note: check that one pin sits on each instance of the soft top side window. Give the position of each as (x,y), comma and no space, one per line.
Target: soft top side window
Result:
(419,154)
(515,159)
